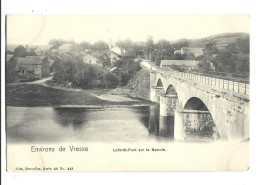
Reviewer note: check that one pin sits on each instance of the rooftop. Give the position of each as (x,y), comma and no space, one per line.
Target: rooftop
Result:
(30,60)
(8,57)
(192,50)
(66,46)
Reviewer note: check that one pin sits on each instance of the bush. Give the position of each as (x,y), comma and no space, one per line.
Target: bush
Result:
(111,80)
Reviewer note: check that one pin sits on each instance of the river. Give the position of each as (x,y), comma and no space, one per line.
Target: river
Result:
(61,124)
(105,128)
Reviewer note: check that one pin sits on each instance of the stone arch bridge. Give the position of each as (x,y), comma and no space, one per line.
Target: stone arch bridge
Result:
(185,95)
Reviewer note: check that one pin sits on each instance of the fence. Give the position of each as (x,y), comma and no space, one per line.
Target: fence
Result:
(234,82)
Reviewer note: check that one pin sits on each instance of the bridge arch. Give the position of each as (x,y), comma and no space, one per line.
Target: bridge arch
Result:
(159,83)
(195,103)
(199,118)
(171,90)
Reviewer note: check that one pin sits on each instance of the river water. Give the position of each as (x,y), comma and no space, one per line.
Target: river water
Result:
(130,125)
(62,124)
(99,124)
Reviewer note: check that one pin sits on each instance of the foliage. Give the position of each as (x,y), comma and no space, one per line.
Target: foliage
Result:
(85,45)
(57,42)
(74,71)
(128,68)
(20,51)
(180,44)
(111,79)
(100,46)
(149,47)
(231,60)
(204,66)
(243,44)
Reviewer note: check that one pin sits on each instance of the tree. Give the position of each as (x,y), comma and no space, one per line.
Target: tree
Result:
(57,42)
(20,51)
(100,46)
(180,44)
(85,45)
(209,51)
(243,44)
(204,66)
(31,52)
(149,47)
(226,60)
(111,79)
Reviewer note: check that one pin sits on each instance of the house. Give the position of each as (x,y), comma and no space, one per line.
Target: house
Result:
(184,65)
(32,66)
(119,51)
(65,48)
(89,59)
(9,57)
(31,48)
(177,52)
(114,57)
(10,64)
(187,50)
(88,51)
(43,48)
(115,70)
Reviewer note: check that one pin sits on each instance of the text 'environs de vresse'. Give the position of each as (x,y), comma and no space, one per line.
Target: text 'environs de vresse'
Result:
(60,149)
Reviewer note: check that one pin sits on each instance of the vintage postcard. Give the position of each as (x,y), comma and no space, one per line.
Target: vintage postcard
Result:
(127,93)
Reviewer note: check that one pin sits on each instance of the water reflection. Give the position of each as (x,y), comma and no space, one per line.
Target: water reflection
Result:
(160,125)
(154,119)
(75,117)
(126,124)
(166,126)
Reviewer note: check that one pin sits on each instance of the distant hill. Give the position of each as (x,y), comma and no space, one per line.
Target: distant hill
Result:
(221,40)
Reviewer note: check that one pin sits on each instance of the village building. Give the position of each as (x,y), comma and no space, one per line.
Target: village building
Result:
(65,48)
(31,48)
(32,66)
(43,48)
(195,51)
(89,59)
(119,51)
(115,70)
(184,65)
(188,51)
(114,57)
(9,57)
(88,51)
(177,52)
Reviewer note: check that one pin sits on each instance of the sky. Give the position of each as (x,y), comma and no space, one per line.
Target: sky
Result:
(39,29)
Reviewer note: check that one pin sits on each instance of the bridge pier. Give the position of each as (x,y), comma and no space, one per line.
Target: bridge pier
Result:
(190,124)
(152,78)
(154,119)
(167,106)
(179,130)
(155,93)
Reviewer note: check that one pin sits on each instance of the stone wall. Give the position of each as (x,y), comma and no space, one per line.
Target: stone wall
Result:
(140,86)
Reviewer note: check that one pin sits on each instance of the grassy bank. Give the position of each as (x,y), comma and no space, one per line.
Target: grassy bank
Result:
(31,95)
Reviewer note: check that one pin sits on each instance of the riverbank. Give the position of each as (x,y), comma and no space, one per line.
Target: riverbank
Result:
(45,94)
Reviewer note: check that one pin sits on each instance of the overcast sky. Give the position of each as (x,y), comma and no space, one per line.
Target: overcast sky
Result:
(39,29)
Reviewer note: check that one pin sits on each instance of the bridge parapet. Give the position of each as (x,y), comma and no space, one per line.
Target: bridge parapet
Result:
(231,84)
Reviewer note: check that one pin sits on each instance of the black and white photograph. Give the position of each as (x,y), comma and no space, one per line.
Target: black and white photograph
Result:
(127,92)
